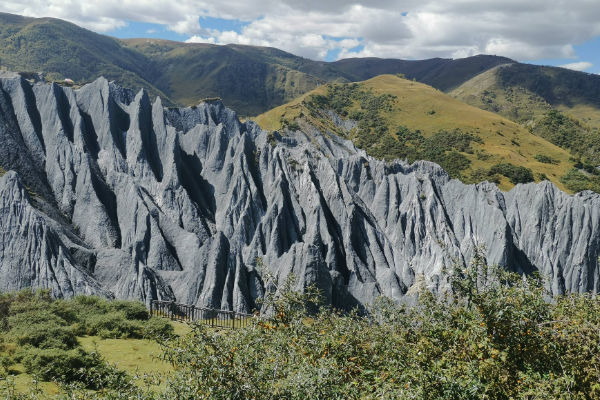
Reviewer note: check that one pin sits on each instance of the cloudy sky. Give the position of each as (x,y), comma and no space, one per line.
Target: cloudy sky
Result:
(555,32)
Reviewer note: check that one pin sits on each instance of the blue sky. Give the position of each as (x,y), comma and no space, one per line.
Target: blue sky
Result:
(586,52)
(158,31)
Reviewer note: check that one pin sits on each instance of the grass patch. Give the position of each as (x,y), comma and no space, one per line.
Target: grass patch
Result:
(39,336)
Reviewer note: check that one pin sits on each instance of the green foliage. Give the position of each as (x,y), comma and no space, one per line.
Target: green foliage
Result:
(482,174)
(158,327)
(43,330)
(133,310)
(546,159)
(56,363)
(40,332)
(577,181)
(491,334)
(515,174)
(569,133)
(111,325)
(373,133)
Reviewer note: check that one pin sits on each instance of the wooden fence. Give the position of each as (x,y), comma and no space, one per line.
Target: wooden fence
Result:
(209,316)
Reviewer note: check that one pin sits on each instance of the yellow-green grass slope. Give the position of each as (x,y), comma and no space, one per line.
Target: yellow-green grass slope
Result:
(420,107)
(518,103)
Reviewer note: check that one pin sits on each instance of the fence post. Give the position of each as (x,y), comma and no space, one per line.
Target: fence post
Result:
(151,302)
(193,312)
(173,310)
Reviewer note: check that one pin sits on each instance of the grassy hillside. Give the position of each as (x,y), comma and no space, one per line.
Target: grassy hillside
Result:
(526,93)
(400,118)
(557,104)
(249,80)
(64,50)
(443,74)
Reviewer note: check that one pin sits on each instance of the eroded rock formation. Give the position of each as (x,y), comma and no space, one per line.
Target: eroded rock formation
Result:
(132,200)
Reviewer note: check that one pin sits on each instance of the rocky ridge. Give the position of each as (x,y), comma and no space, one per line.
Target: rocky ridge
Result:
(113,195)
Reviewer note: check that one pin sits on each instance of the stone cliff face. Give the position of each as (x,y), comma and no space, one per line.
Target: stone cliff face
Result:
(132,200)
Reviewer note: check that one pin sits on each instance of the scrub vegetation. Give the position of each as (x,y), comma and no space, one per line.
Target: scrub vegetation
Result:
(490,334)
(396,118)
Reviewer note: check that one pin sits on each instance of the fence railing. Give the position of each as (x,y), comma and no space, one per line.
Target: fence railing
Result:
(209,316)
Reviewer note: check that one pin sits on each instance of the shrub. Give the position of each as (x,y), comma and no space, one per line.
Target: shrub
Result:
(514,173)
(577,181)
(133,310)
(489,334)
(113,325)
(158,327)
(41,329)
(481,174)
(66,366)
(546,159)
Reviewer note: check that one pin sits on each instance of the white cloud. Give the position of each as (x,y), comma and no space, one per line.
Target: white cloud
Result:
(152,31)
(578,66)
(536,29)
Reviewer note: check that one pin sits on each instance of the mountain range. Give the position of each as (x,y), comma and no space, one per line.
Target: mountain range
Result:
(249,79)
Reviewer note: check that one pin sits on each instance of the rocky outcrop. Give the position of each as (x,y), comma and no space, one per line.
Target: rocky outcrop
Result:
(141,202)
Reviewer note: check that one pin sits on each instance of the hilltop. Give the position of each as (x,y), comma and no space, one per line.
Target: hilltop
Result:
(525,92)
(64,50)
(402,115)
(441,73)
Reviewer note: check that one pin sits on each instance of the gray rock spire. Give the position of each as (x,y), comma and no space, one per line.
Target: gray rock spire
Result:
(136,201)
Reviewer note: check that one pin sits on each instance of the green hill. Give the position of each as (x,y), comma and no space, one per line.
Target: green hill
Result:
(557,104)
(398,118)
(64,50)
(248,79)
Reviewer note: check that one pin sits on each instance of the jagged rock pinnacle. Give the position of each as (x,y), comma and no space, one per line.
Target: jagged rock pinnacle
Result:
(136,201)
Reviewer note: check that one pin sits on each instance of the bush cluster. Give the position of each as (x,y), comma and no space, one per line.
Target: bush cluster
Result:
(491,335)
(514,173)
(570,133)
(546,159)
(41,333)
(374,135)
(577,181)
(487,333)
